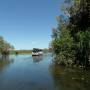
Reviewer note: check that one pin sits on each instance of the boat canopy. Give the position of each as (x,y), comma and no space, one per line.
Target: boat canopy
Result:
(36,50)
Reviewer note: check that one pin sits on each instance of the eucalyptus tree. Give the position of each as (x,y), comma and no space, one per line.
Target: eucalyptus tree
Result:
(5,47)
(1,44)
(72,37)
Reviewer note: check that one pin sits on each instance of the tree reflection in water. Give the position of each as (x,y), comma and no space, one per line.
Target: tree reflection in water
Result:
(37,59)
(70,79)
(4,62)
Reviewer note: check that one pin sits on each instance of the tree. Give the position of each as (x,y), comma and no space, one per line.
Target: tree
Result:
(4,47)
(72,42)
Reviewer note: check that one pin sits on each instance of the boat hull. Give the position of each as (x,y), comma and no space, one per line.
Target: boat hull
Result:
(37,53)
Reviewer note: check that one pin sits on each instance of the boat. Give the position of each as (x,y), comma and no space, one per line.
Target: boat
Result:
(37,52)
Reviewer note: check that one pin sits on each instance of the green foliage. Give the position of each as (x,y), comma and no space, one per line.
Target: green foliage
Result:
(4,46)
(71,44)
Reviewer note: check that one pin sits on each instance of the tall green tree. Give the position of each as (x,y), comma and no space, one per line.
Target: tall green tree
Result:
(71,43)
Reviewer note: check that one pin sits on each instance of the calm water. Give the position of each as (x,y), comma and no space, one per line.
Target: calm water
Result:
(24,72)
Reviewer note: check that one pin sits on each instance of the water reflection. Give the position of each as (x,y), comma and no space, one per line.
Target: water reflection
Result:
(5,61)
(23,74)
(4,57)
(70,79)
(37,59)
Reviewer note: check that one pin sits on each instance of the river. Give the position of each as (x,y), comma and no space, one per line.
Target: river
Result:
(24,72)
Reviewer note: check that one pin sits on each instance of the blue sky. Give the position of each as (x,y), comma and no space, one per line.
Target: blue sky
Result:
(28,24)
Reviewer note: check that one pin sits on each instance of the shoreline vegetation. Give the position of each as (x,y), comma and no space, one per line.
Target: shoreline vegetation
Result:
(71,39)
(5,47)
(26,51)
(16,52)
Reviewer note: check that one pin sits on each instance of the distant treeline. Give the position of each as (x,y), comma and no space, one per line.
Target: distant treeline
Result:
(26,51)
(21,51)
